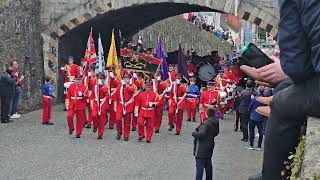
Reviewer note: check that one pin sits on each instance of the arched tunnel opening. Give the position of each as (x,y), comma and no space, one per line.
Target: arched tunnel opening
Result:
(128,20)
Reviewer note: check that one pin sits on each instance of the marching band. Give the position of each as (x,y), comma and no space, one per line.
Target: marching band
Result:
(132,101)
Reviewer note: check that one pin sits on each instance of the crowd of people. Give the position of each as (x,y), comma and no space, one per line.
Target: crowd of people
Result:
(10,85)
(202,23)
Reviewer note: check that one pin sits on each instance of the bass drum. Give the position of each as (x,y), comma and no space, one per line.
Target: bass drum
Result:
(206,71)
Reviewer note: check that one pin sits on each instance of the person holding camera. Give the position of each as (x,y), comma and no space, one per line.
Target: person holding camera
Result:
(204,144)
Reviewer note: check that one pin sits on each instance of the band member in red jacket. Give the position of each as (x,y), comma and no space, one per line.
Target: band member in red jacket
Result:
(144,109)
(100,103)
(159,87)
(70,70)
(89,82)
(209,99)
(83,69)
(75,102)
(177,104)
(113,83)
(124,106)
(139,82)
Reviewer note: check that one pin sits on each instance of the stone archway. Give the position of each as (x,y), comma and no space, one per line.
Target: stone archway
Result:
(99,12)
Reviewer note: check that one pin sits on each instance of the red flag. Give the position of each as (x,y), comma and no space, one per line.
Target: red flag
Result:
(90,54)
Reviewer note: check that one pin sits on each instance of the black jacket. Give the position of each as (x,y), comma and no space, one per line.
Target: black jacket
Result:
(299,38)
(7,85)
(245,100)
(204,138)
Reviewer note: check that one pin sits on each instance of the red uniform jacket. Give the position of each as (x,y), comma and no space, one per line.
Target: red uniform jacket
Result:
(124,96)
(70,71)
(113,84)
(76,97)
(159,88)
(207,98)
(102,94)
(173,75)
(177,97)
(83,70)
(144,104)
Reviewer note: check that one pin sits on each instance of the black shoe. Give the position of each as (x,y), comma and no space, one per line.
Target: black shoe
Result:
(4,121)
(100,137)
(140,139)
(177,133)
(256,177)
(235,130)
(77,136)
(70,132)
(244,140)
(88,126)
(156,131)
(134,129)
(148,141)
(94,129)
(65,109)
(126,139)
(188,119)
(194,120)
(49,123)
(118,136)
(110,127)
(170,128)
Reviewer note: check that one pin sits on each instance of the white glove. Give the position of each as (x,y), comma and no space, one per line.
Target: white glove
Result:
(99,81)
(122,82)
(62,68)
(89,74)
(111,75)
(168,89)
(135,75)
(177,81)
(136,114)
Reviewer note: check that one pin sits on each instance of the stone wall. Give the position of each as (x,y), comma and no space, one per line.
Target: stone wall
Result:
(174,31)
(19,37)
(311,159)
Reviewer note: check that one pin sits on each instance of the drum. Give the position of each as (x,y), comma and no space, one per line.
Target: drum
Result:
(206,71)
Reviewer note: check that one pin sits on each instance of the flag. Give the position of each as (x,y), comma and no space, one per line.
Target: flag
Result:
(112,60)
(101,63)
(90,54)
(182,67)
(164,65)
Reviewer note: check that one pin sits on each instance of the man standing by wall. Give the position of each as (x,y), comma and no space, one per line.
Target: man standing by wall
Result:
(17,93)
(7,84)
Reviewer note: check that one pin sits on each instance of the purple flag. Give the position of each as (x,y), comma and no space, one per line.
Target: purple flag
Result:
(164,65)
(182,66)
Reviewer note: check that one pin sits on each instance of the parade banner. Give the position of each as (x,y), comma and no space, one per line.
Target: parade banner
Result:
(139,62)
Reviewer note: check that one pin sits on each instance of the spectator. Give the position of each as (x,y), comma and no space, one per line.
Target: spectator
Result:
(256,120)
(236,111)
(17,93)
(7,83)
(204,144)
(47,102)
(245,99)
(297,97)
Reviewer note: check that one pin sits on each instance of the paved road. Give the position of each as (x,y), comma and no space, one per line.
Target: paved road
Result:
(31,151)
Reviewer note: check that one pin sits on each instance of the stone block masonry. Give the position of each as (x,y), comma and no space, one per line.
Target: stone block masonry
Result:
(20,37)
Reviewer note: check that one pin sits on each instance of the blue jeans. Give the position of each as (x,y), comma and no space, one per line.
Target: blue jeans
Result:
(15,100)
(202,164)
(252,125)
